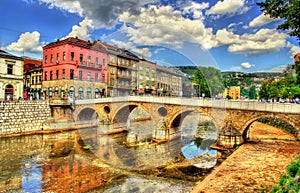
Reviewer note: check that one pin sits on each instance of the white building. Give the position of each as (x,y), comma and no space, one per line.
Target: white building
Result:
(11,76)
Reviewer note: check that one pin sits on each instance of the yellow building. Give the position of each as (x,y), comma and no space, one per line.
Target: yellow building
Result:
(11,76)
(234,92)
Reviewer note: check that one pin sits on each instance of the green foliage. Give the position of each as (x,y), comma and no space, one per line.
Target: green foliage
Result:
(287,181)
(285,88)
(289,10)
(208,80)
(275,122)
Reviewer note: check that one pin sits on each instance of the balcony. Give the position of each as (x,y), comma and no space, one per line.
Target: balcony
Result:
(85,64)
(124,76)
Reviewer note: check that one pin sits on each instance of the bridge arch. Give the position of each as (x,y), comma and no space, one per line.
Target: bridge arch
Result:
(246,127)
(87,114)
(121,115)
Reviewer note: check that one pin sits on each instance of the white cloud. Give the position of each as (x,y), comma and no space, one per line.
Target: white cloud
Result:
(277,69)
(293,49)
(260,20)
(82,30)
(164,25)
(227,37)
(142,52)
(262,42)
(67,5)
(27,42)
(195,9)
(230,7)
(247,65)
(103,13)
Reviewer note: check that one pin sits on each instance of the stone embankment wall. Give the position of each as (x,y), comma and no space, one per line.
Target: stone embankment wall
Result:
(23,116)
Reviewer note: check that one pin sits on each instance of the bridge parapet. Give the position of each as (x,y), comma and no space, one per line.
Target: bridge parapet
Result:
(193,102)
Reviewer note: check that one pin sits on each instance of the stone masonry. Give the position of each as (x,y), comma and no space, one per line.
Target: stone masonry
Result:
(23,116)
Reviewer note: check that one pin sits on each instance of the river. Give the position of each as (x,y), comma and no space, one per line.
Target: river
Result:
(85,161)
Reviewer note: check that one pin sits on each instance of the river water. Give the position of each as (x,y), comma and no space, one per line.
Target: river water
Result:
(85,161)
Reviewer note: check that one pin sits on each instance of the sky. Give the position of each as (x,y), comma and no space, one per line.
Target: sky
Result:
(230,35)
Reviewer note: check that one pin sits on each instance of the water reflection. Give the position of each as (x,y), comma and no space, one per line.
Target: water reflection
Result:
(60,163)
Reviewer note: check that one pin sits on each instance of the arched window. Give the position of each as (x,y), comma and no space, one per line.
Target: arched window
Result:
(56,91)
(62,92)
(80,93)
(9,92)
(97,93)
(50,91)
(72,91)
(89,93)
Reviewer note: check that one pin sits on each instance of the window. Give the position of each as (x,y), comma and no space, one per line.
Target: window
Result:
(64,56)
(46,59)
(9,69)
(32,81)
(72,56)
(89,93)
(112,59)
(80,75)
(96,77)
(46,73)
(81,58)
(103,62)
(80,93)
(63,73)
(51,74)
(89,76)
(51,58)
(97,60)
(57,57)
(71,74)
(56,74)
(141,67)
(89,60)
(103,78)
(40,79)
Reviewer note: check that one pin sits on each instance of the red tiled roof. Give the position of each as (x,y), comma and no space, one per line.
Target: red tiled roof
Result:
(37,63)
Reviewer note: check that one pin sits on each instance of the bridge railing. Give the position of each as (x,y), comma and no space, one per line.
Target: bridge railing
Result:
(195,102)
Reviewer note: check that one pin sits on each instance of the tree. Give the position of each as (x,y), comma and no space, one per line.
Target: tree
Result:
(209,80)
(285,9)
(252,92)
(297,69)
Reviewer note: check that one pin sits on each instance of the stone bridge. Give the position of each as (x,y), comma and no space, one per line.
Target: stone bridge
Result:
(170,112)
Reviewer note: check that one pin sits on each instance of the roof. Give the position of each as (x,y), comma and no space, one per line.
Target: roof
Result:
(35,62)
(4,54)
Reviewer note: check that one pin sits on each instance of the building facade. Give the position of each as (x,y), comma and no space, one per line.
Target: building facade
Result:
(168,81)
(11,76)
(74,68)
(234,92)
(33,71)
(146,78)
(121,71)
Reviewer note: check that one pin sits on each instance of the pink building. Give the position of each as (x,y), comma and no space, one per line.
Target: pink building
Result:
(74,68)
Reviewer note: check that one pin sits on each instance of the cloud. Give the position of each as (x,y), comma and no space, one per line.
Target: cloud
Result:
(82,30)
(103,13)
(195,9)
(230,7)
(163,25)
(143,52)
(247,65)
(27,42)
(66,5)
(262,42)
(260,20)
(293,49)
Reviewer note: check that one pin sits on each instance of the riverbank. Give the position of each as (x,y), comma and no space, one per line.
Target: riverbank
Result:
(255,166)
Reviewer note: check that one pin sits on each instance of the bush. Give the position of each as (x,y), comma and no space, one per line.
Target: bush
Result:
(287,182)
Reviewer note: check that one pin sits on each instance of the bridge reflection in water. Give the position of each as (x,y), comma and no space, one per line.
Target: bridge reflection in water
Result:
(62,163)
